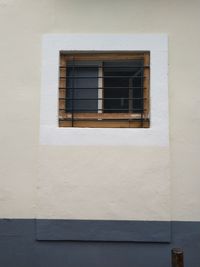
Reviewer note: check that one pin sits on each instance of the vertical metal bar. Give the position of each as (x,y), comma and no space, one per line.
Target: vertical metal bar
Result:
(100,86)
(130,96)
(146,85)
(141,95)
(177,257)
(73,75)
(130,102)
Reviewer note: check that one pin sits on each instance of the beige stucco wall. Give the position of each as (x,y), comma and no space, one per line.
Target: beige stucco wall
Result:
(103,183)
(26,166)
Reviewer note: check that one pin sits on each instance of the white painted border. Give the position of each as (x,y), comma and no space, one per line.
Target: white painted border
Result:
(157,134)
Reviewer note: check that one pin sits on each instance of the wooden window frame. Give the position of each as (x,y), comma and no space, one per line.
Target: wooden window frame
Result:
(100,119)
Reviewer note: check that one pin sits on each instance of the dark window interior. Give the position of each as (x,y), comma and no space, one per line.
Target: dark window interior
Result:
(122,87)
(82,89)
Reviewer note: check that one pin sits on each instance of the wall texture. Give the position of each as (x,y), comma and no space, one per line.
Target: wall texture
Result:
(23,161)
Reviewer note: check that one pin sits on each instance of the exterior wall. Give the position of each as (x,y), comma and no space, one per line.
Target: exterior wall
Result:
(24,161)
(27,21)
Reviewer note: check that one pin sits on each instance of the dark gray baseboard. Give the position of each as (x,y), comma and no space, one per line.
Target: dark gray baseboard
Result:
(103,230)
(20,248)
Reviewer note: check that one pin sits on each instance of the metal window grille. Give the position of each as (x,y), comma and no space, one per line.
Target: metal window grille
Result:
(104,93)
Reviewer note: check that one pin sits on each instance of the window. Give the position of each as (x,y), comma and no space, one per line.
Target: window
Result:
(55,47)
(104,89)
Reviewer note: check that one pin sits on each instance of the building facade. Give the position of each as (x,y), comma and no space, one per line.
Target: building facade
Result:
(100,195)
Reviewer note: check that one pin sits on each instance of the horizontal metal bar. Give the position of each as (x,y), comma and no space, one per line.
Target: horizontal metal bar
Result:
(102,119)
(113,98)
(101,77)
(105,67)
(108,109)
(102,88)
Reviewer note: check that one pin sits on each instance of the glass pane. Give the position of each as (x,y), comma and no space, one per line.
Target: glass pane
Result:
(82,89)
(123,86)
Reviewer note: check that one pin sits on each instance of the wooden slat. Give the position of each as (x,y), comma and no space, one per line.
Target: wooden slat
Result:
(65,123)
(61,93)
(62,72)
(62,83)
(104,56)
(62,60)
(61,104)
(65,115)
(105,124)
